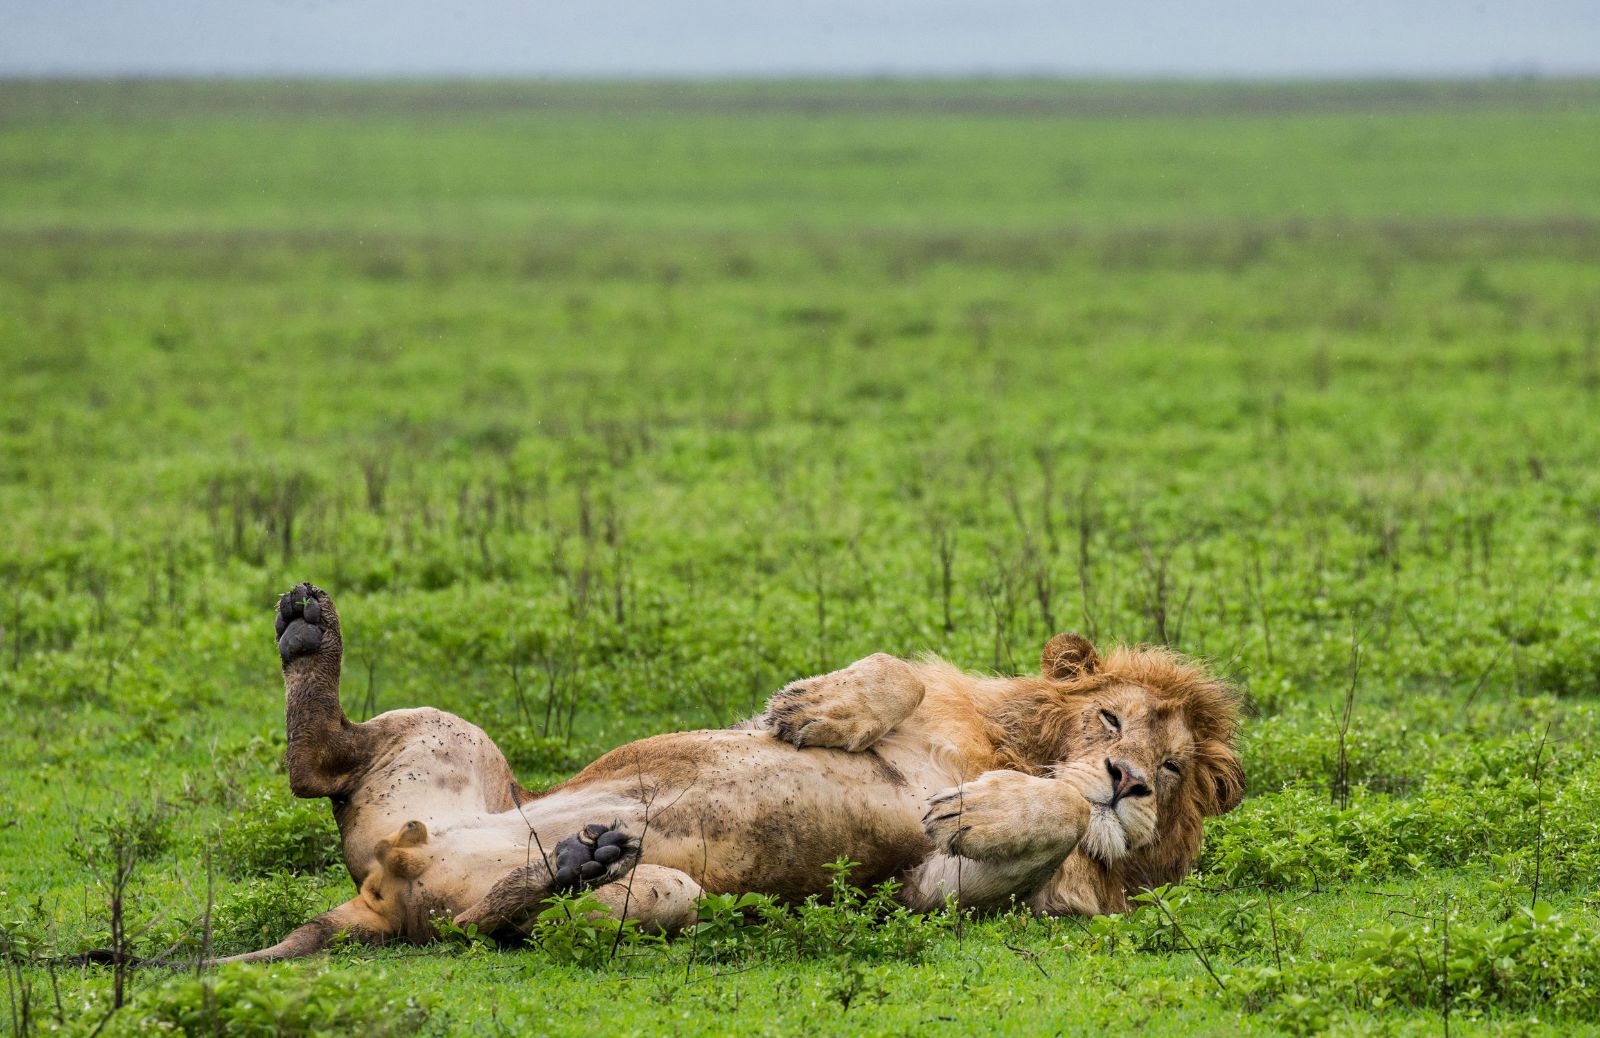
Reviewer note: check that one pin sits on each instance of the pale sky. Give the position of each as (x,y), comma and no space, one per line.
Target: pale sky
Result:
(707,38)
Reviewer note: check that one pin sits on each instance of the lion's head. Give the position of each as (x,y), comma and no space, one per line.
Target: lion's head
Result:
(1148,738)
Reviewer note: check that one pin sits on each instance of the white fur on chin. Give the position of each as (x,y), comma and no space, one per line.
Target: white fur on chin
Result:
(1114,831)
(1104,839)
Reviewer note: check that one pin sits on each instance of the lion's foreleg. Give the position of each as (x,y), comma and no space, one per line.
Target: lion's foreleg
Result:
(1001,836)
(849,709)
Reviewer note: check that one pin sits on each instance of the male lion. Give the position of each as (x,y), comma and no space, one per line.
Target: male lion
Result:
(1064,791)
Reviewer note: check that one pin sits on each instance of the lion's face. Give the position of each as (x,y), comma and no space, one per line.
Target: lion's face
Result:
(1138,763)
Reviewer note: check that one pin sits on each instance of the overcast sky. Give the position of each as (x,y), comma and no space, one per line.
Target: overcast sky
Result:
(1254,38)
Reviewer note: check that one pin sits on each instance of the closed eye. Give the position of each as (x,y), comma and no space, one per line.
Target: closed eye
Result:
(1110,720)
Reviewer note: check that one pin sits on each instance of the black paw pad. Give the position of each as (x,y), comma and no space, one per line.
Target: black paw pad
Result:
(299,639)
(599,854)
(299,622)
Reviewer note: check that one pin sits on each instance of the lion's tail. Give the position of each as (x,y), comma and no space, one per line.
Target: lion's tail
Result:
(307,939)
(304,940)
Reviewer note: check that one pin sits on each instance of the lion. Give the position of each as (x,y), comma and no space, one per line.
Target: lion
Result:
(1066,792)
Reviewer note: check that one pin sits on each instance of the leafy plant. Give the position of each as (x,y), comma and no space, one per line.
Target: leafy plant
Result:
(579,929)
(273,833)
(259,911)
(849,921)
(246,1000)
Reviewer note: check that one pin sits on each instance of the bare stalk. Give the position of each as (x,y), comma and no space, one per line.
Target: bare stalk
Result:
(945,544)
(1341,778)
(1538,782)
(1161,904)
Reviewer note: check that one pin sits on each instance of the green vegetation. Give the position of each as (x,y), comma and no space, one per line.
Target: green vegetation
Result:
(604,410)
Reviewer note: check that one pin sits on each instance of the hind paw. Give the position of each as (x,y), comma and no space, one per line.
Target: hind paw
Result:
(305,615)
(594,857)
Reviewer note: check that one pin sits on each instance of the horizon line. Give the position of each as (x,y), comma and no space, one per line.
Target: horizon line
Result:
(1176,78)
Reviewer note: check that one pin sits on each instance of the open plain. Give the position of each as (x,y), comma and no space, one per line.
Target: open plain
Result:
(608,409)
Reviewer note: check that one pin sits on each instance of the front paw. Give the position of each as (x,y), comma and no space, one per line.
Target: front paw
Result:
(849,709)
(1005,814)
(802,716)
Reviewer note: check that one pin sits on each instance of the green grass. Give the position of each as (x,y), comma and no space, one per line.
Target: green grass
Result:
(607,409)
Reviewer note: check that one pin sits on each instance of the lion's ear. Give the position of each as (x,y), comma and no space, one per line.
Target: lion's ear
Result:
(1068,656)
(1226,776)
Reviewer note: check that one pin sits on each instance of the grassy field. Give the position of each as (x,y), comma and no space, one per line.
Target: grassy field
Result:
(605,410)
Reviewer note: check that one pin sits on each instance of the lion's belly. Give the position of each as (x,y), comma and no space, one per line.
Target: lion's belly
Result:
(740,811)
(435,768)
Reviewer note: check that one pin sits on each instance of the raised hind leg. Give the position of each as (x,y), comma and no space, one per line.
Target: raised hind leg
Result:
(325,748)
(405,764)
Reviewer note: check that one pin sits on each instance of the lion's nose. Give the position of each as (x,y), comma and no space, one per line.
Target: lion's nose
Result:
(1126,780)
